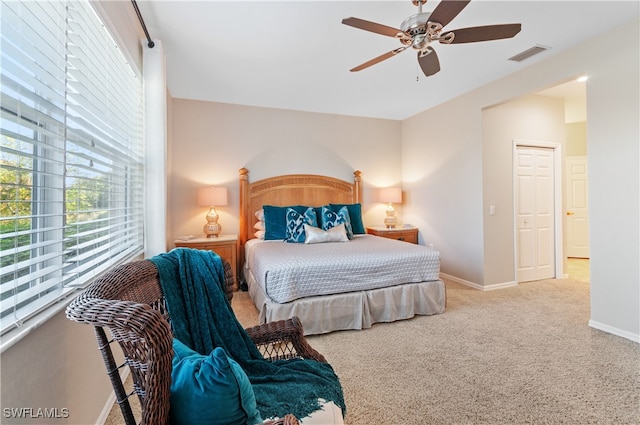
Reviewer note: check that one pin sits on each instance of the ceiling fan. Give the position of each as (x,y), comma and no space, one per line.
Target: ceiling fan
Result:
(420,30)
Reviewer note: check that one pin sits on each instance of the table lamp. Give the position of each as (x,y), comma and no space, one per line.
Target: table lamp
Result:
(391,195)
(212,196)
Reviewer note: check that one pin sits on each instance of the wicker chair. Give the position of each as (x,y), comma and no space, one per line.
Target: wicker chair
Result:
(128,301)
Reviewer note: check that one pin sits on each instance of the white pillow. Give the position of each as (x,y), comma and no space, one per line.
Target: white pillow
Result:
(259,225)
(316,235)
(260,214)
(259,234)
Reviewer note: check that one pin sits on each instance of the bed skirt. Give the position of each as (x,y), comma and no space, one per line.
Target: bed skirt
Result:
(353,310)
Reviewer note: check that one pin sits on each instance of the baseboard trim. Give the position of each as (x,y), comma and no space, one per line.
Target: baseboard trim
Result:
(106,410)
(477,285)
(614,331)
(460,281)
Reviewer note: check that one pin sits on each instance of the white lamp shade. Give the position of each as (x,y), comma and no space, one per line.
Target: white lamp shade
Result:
(212,196)
(391,194)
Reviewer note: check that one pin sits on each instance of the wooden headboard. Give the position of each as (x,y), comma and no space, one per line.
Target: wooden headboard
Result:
(291,189)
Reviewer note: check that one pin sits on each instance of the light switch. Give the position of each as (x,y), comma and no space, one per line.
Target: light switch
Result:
(492,210)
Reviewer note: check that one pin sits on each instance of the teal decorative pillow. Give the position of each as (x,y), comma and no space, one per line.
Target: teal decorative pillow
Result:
(355,216)
(275,220)
(210,390)
(331,219)
(296,222)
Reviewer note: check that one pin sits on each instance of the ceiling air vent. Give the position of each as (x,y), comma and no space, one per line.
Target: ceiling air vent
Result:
(528,53)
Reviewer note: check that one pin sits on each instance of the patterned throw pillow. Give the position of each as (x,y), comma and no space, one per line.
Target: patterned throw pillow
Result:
(296,222)
(355,216)
(331,219)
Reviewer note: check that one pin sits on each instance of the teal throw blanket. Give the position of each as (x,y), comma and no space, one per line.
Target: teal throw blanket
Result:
(201,316)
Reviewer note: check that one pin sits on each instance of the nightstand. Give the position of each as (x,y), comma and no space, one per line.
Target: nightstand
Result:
(226,246)
(403,233)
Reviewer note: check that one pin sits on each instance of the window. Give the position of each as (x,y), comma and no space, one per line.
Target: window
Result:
(71,157)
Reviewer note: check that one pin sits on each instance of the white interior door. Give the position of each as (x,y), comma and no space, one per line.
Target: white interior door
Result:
(534,210)
(577,207)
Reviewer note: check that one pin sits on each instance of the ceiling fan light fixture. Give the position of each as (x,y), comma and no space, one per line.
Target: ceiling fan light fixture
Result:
(419,31)
(415,24)
(420,42)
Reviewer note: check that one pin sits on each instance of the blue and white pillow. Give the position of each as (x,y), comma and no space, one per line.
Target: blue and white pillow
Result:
(296,222)
(331,219)
(355,216)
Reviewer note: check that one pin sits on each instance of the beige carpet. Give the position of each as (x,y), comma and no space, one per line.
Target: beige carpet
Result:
(522,355)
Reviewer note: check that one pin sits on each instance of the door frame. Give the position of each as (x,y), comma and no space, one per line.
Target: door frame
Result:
(557,201)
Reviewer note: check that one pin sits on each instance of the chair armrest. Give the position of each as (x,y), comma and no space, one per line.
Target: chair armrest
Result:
(283,339)
(145,338)
(229,283)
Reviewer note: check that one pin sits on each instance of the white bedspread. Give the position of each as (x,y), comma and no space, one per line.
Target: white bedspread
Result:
(289,271)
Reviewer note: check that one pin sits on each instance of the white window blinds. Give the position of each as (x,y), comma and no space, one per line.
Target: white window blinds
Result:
(72,154)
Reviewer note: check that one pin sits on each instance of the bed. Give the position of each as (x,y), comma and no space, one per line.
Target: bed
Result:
(353,284)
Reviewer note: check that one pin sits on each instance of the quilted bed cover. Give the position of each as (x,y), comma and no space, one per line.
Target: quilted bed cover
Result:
(290,271)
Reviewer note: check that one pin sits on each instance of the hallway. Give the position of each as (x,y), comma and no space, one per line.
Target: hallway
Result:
(578,269)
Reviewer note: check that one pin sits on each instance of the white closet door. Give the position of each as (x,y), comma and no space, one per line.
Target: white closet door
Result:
(535,223)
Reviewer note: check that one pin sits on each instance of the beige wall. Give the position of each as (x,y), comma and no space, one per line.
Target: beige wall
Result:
(613,108)
(532,118)
(576,139)
(56,366)
(453,172)
(443,162)
(212,141)
(442,175)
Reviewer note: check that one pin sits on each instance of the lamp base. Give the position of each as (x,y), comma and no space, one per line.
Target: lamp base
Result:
(212,229)
(390,220)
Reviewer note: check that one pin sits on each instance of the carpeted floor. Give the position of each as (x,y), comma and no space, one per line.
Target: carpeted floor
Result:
(522,355)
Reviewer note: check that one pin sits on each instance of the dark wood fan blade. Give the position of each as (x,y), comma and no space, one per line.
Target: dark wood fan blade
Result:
(447,10)
(429,62)
(378,59)
(484,33)
(371,26)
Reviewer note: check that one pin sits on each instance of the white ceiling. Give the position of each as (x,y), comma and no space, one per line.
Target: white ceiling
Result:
(297,54)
